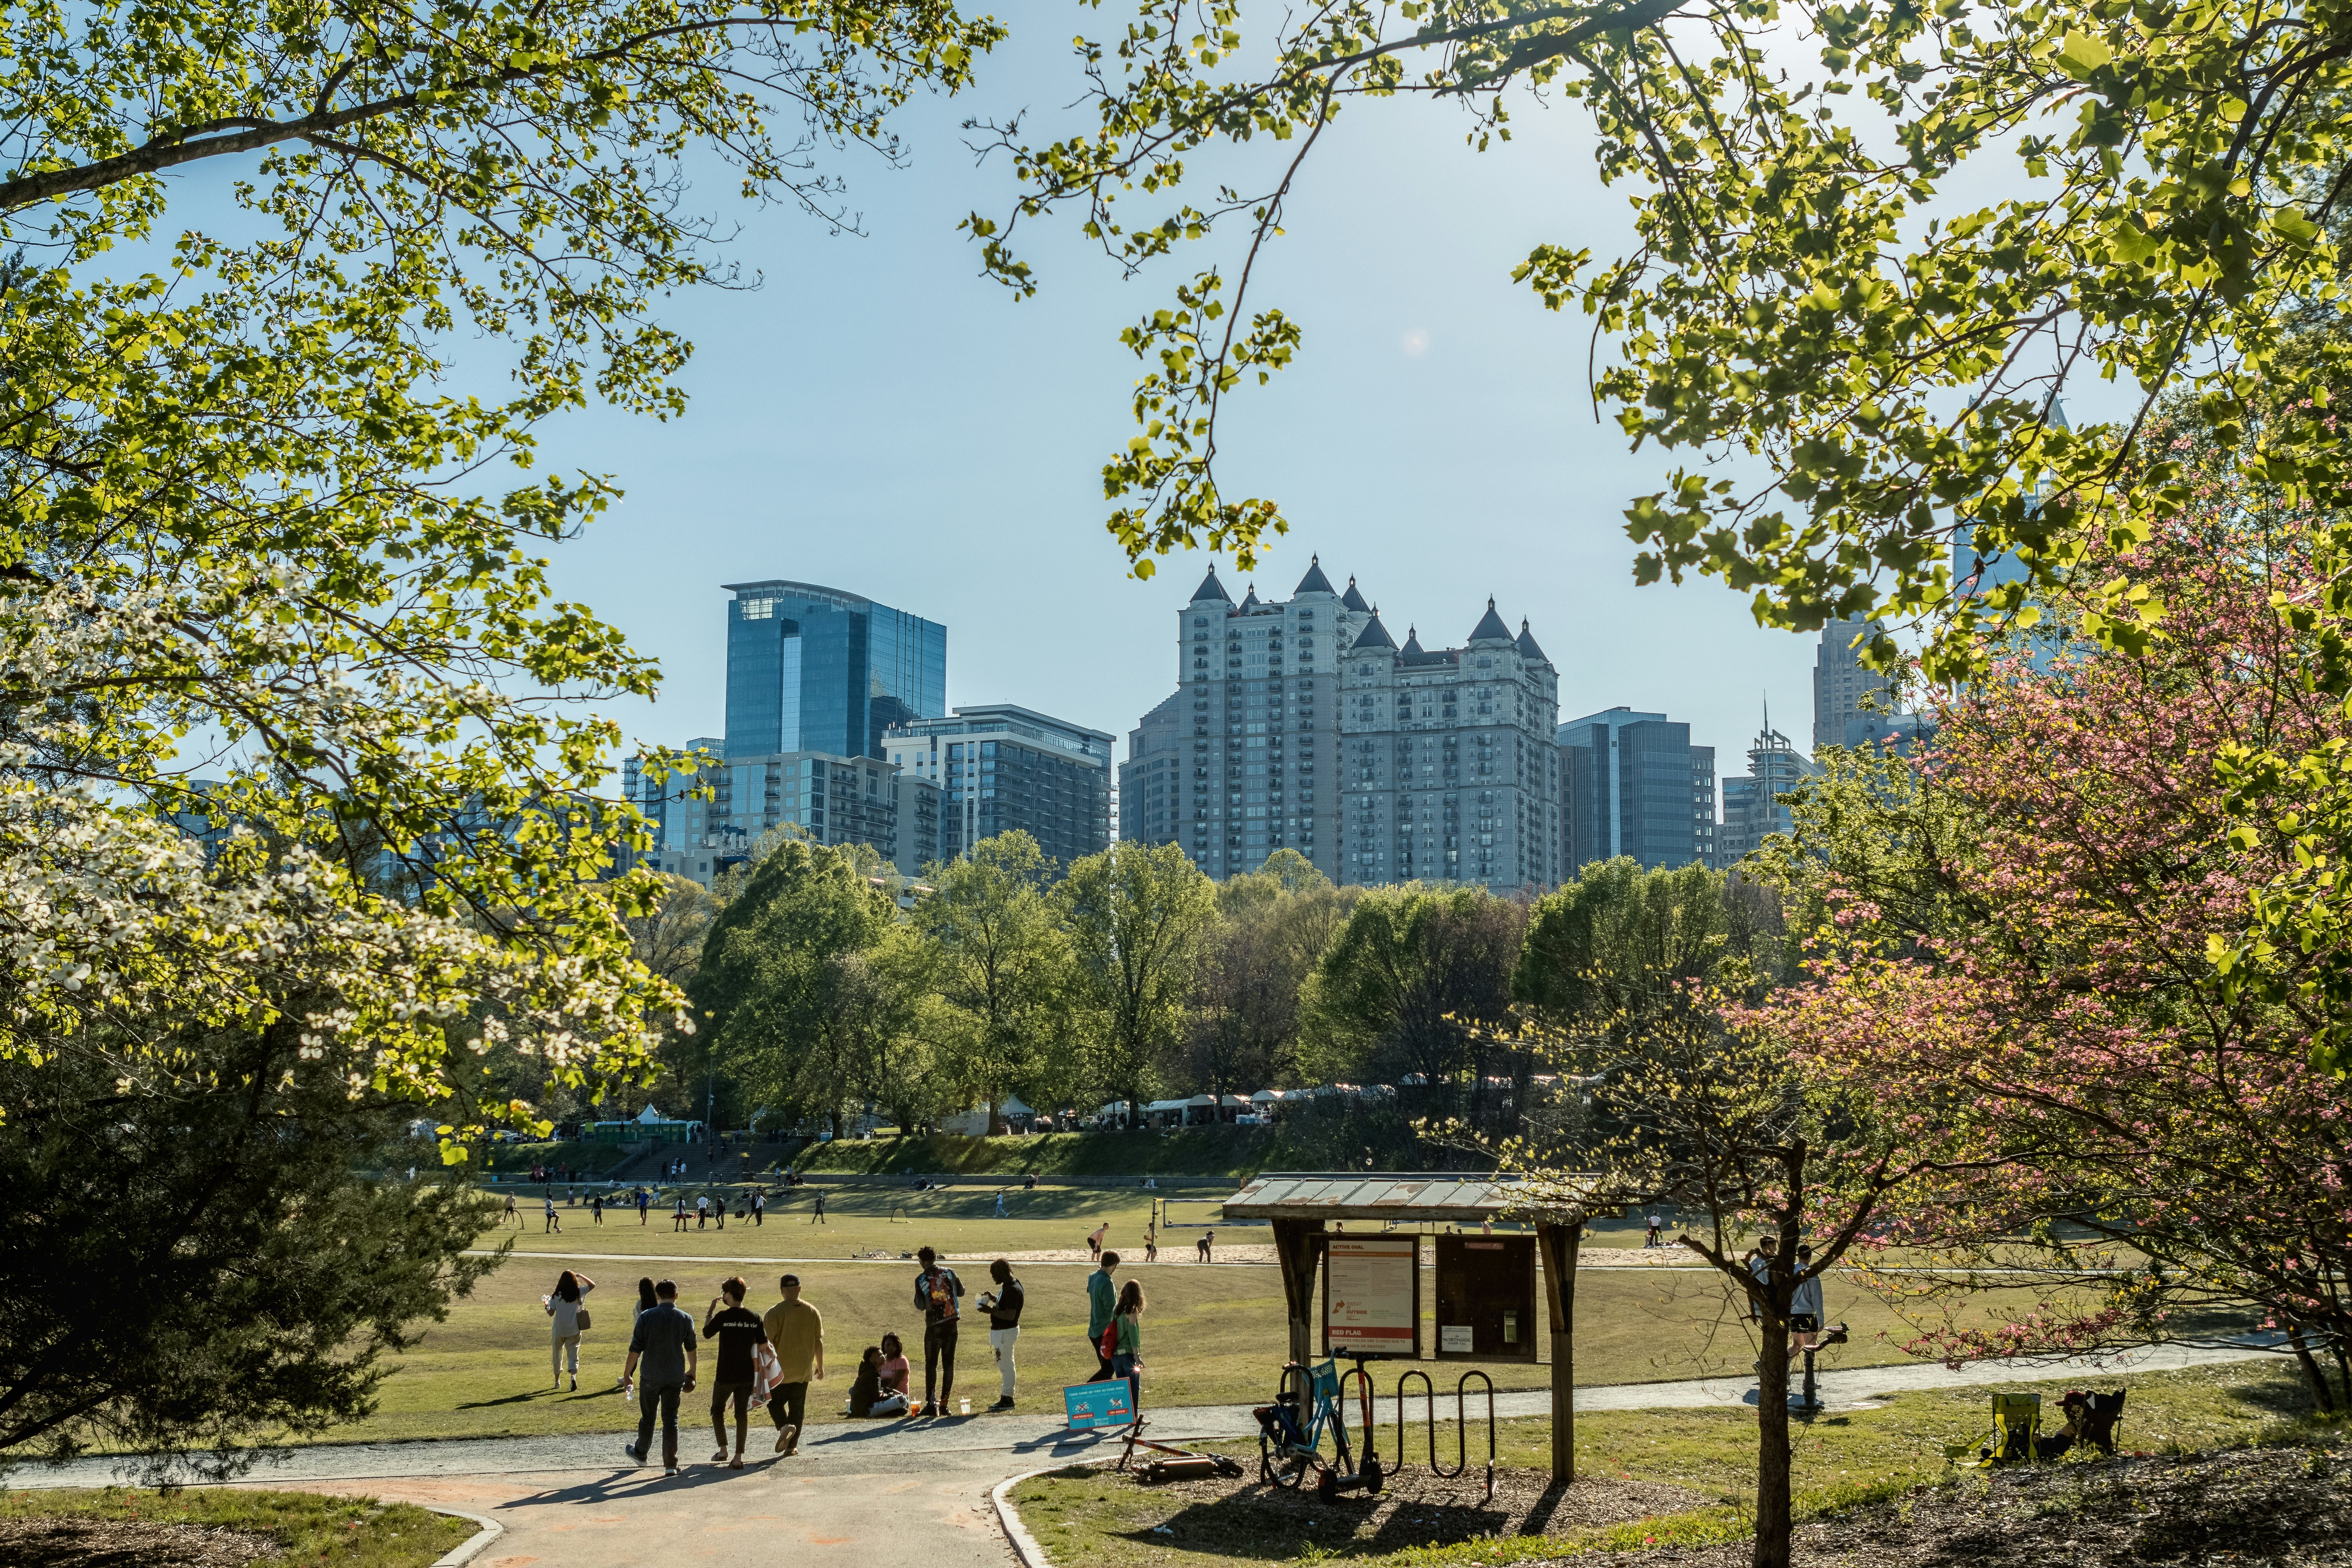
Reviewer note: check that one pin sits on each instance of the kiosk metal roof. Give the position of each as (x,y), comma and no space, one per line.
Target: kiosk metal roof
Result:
(1440,1198)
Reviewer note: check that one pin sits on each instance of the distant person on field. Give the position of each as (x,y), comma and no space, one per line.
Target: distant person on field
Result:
(1095,1241)
(1128,1358)
(1804,1309)
(937,1290)
(1000,1206)
(702,1211)
(818,1217)
(664,1343)
(677,1220)
(739,1332)
(596,1207)
(758,1207)
(1003,1306)
(644,1200)
(796,1332)
(563,1313)
(1151,1243)
(1651,1239)
(554,1221)
(1205,1247)
(1102,1305)
(512,1219)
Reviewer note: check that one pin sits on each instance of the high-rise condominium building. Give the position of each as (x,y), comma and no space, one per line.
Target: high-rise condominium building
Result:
(1752,807)
(1631,783)
(1003,767)
(1449,770)
(1842,681)
(1301,724)
(816,669)
(1242,757)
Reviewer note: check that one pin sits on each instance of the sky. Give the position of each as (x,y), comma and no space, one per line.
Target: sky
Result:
(877,417)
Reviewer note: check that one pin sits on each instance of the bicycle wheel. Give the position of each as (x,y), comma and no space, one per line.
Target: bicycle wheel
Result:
(1290,1468)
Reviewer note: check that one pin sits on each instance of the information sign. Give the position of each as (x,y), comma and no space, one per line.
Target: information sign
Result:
(1104,1404)
(1371,1294)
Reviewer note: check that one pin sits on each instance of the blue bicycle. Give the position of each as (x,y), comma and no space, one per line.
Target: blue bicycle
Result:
(1310,1403)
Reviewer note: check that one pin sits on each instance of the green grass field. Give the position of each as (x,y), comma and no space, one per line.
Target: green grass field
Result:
(311,1529)
(1841,1460)
(1213,1335)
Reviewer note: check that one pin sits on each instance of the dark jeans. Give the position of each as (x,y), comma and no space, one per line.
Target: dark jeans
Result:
(666,1396)
(788,1404)
(938,1359)
(721,1393)
(1102,1373)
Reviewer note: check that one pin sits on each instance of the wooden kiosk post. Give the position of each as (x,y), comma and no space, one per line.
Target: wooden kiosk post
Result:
(1298,1205)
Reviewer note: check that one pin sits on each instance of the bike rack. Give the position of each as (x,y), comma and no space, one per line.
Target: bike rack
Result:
(1461,1424)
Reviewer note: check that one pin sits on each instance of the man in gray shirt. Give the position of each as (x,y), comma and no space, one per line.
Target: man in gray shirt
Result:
(663,1341)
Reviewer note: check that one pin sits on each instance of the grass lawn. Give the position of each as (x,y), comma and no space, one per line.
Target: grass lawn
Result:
(1213,1336)
(310,1529)
(1842,1460)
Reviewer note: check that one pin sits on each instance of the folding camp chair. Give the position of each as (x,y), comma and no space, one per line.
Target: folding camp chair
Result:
(2016,1423)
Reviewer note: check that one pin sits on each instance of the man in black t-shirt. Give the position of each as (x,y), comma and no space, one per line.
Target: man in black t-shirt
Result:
(737,1330)
(1003,1305)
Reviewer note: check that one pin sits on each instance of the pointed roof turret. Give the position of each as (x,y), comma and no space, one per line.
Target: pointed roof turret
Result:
(1374,635)
(1210,588)
(1314,581)
(1412,642)
(1249,603)
(1490,626)
(1528,649)
(1352,600)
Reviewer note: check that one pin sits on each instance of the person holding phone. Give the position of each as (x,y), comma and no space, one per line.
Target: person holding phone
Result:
(1003,1306)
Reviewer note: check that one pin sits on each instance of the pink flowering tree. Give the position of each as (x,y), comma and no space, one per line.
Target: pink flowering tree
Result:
(2036,959)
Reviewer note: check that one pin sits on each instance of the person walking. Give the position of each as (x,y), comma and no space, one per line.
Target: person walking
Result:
(1000,1206)
(645,1202)
(936,1292)
(796,1333)
(663,1342)
(818,1217)
(1102,1305)
(554,1221)
(645,1302)
(563,1314)
(1805,1317)
(758,1207)
(739,1333)
(596,1207)
(1003,1306)
(702,1211)
(677,1220)
(1128,1360)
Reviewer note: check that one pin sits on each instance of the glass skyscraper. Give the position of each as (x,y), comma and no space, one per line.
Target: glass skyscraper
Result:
(816,669)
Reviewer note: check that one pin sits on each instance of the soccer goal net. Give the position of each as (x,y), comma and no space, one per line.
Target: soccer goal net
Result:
(1190,1214)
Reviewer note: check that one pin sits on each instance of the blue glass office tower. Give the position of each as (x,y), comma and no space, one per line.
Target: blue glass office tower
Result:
(816,669)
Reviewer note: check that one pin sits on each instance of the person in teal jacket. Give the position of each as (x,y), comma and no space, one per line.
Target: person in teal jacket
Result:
(1102,1305)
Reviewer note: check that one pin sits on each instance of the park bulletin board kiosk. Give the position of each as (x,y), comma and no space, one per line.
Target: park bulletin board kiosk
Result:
(1486,1285)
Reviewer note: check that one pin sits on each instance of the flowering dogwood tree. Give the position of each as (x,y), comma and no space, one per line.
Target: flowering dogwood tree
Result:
(2037,964)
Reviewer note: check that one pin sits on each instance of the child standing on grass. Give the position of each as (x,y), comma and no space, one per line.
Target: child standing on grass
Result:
(554,1223)
(1127,1362)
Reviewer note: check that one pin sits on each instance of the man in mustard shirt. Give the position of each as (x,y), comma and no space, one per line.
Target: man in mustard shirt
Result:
(796,1333)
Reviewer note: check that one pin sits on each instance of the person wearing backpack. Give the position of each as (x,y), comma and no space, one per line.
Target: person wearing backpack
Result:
(935,1290)
(1102,1301)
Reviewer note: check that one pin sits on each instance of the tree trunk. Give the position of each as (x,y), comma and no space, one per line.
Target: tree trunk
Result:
(1772,1444)
(2311,1372)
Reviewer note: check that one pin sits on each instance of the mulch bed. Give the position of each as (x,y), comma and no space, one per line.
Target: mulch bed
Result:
(72,1541)
(1412,1508)
(2291,1507)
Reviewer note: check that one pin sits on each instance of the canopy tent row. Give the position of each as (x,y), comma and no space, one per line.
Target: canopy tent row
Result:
(1298,1205)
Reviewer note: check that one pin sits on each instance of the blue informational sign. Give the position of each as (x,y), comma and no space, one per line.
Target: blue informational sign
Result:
(1104,1403)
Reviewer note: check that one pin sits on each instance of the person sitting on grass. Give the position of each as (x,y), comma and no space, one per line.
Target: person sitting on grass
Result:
(866,1388)
(892,1371)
